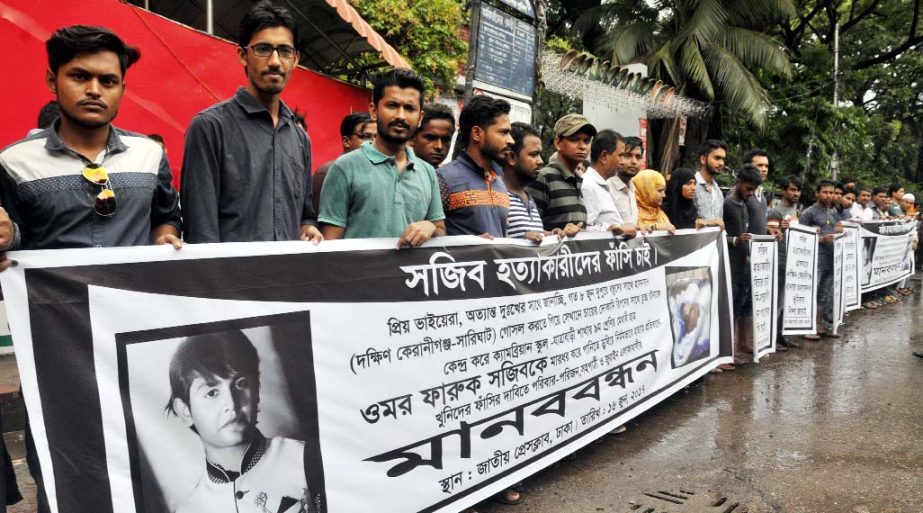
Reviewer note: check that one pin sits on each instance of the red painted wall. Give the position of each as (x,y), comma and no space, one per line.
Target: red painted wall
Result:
(181,72)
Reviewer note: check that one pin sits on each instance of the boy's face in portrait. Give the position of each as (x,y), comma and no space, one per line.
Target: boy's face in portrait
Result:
(222,410)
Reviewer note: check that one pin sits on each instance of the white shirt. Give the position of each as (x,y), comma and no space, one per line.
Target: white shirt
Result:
(861,213)
(625,200)
(601,211)
(708,199)
(276,483)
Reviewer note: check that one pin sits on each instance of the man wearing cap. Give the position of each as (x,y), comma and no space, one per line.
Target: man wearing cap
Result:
(556,190)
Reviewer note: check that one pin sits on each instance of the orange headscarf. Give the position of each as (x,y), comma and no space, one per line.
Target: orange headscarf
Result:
(646,184)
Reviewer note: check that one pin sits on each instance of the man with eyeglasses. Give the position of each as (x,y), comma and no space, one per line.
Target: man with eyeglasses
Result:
(82,182)
(247,165)
(355,129)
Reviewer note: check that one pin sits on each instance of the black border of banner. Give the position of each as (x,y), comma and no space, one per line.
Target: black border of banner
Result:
(308,414)
(774,279)
(58,300)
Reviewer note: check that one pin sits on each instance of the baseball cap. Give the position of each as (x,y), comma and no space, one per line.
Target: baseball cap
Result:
(571,124)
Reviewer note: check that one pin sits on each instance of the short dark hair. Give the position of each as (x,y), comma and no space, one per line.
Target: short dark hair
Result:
(433,111)
(209,356)
(351,121)
(68,42)
(838,185)
(894,187)
(605,140)
(632,142)
(755,152)
(48,113)
(826,182)
(788,181)
(711,145)
(264,15)
(750,174)
(480,111)
(879,190)
(848,179)
(519,133)
(156,137)
(850,190)
(300,119)
(399,77)
(861,188)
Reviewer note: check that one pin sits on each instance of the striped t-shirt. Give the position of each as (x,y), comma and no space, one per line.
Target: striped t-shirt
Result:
(523,218)
(556,192)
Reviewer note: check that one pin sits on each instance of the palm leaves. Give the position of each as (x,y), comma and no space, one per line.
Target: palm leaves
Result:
(710,49)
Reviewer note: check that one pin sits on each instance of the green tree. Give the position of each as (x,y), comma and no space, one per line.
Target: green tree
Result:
(710,50)
(425,32)
(877,127)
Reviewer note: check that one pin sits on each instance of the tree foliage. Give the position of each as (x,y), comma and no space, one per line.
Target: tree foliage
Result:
(424,32)
(706,48)
(877,127)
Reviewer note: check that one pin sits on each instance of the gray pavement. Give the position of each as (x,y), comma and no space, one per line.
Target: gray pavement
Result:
(832,427)
(835,426)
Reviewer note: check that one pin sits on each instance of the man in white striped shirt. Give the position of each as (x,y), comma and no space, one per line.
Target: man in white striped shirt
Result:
(520,167)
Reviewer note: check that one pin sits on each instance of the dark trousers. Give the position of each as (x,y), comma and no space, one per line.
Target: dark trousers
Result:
(9,490)
(35,470)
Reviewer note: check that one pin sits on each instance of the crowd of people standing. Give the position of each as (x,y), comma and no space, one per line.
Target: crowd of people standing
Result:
(247,174)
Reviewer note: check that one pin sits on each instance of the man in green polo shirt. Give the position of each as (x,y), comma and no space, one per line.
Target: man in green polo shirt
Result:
(383,189)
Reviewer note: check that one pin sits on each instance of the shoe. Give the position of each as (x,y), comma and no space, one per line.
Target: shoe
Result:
(890,299)
(918,354)
(726,366)
(618,430)
(812,338)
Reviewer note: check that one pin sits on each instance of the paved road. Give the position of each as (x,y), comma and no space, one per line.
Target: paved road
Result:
(832,427)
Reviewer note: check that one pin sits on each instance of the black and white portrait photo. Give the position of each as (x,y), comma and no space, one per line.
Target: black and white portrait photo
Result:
(223,417)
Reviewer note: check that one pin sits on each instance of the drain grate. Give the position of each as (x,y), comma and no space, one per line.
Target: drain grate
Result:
(683,501)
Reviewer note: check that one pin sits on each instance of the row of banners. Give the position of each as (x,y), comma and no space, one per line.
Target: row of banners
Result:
(346,377)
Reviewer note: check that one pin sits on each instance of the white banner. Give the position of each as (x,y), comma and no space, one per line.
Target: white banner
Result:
(799,316)
(349,377)
(764,288)
(852,298)
(838,267)
(887,256)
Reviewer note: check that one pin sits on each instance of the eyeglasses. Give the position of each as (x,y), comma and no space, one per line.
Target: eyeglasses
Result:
(105,200)
(365,136)
(265,50)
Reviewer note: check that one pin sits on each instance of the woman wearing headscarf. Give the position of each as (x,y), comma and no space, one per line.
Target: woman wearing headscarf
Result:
(650,188)
(678,204)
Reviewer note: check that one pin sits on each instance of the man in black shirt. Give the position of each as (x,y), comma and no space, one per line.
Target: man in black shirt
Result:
(247,164)
(737,229)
